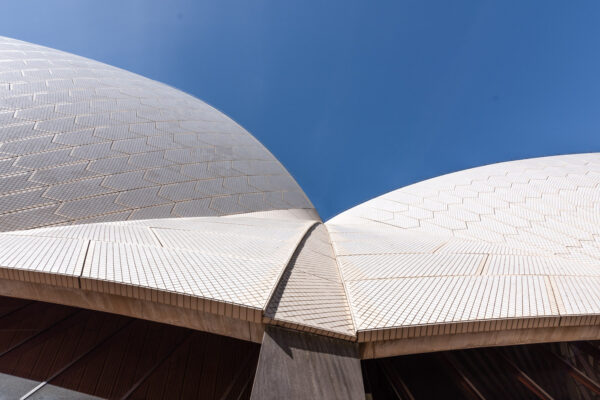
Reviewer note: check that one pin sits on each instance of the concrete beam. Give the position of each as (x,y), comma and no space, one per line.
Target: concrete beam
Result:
(298,365)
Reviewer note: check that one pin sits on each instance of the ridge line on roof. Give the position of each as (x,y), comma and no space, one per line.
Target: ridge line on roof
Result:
(288,262)
(343,279)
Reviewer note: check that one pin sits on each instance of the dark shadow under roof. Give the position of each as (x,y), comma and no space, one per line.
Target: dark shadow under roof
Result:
(54,351)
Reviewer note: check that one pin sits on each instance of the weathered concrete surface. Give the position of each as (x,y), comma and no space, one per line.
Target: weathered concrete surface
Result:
(296,365)
(198,320)
(427,344)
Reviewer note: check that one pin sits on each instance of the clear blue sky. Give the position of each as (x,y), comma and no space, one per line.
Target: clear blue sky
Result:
(357,98)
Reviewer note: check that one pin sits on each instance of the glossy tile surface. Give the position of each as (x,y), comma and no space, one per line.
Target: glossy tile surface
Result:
(81,141)
(515,241)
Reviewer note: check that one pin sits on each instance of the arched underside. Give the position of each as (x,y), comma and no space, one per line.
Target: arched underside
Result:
(568,370)
(54,351)
(50,351)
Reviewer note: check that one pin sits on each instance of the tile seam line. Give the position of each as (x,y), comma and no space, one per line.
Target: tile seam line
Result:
(434,252)
(70,221)
(391,278)
(85,256)
(155,236)
(466,322)
(346,291)
(100,174)
(308,227)
(80,276)
(312,328)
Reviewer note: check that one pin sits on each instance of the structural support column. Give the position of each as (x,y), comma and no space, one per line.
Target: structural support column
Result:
(297,365)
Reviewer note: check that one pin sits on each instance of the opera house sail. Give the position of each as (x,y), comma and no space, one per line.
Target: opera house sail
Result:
(150,247)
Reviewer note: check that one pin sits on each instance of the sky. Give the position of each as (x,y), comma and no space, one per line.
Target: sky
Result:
(357,98)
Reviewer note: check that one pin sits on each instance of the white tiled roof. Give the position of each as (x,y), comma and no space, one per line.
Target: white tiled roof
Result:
(310,295)
(231,262)
(82,145)
(81,141)
(457,268)
(514,241)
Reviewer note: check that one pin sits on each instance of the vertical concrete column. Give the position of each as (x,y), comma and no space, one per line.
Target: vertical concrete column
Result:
(298,365)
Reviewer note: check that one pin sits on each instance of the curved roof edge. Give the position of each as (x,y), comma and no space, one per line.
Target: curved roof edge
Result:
(228,266)
(172,314)
(84,142)
(471,340)
(504,254)
(227,275)
(501,254)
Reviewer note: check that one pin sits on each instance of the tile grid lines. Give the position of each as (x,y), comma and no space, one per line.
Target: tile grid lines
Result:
(178,299)
(94,96)
(403,332)
(555,221)
(341,274)
(472,181)
(153,232)
(545,219)
(308,328)
(82,263)
(129,211)
(123,207)
(309,227)
(51,201)
(474,320)
(474,326)
(285,309)
(346,291)
(483,266)
(72,124)
(471,275)
(557,304)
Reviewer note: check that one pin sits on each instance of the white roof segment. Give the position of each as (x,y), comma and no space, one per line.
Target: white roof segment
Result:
(81,141)
(211,261)
(96,163)
(516,241)
(361,276)
(311,295)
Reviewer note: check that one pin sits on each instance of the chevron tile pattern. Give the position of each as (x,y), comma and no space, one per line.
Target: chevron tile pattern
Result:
(81,141)
(96,163)
(516,243)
